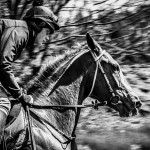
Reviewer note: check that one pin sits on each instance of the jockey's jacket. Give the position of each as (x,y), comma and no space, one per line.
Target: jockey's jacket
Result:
(14,35)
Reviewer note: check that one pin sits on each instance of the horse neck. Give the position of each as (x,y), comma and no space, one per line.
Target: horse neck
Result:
(64,95)
(65,91)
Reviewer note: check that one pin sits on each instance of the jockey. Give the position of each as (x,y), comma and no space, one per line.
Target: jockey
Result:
(15,35)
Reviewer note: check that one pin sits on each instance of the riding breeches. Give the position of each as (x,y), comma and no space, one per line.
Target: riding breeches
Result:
(5,104)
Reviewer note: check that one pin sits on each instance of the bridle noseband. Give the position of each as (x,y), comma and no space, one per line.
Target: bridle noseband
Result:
(115,99)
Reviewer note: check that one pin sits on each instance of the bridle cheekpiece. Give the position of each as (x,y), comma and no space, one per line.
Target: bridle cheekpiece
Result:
(115,99)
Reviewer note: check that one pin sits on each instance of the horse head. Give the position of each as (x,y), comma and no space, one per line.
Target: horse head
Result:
(107,82)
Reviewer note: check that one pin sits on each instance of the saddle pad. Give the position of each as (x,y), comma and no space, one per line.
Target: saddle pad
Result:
(18,125)
(15,133)
(14,112)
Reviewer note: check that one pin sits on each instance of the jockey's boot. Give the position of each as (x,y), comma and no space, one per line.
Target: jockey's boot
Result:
(3,118)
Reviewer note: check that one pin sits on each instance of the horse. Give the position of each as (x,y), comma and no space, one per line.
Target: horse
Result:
(79,73)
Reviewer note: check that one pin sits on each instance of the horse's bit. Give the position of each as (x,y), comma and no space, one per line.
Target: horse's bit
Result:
(115,99)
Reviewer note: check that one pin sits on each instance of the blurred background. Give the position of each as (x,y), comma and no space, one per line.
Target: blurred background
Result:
(122,27)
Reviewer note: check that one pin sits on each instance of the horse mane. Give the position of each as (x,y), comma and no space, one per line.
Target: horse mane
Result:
(53,69)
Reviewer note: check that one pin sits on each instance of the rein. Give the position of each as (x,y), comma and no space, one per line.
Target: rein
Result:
(56,107)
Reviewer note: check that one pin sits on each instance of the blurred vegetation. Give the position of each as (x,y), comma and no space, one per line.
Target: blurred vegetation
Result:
(121,27)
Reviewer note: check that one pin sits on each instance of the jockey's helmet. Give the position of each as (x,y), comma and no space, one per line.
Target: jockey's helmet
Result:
(43,13)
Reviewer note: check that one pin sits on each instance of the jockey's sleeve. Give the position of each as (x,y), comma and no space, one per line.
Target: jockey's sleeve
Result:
(12,43)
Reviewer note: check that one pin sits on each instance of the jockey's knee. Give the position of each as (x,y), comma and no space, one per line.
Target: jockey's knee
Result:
(4,111)
(5,105)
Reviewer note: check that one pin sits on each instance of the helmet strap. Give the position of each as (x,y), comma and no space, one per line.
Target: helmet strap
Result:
(51,26)
(34,27)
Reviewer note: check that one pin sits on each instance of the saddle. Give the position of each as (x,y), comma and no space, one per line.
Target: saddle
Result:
(14,112)
(15,128)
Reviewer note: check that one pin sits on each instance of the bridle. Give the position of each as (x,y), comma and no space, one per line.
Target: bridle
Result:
(115,99)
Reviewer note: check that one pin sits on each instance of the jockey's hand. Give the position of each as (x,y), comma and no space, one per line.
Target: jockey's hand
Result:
(26,99)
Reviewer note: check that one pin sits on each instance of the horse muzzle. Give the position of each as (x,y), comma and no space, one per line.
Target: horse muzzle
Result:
(136,105)
(126,104)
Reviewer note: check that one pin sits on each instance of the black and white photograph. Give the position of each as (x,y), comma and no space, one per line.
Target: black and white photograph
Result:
(74,74)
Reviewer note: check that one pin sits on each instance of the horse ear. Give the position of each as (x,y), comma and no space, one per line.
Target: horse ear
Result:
(90,41)
(40,3)
(93,45)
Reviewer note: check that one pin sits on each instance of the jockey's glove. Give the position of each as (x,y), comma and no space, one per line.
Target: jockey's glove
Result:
(24,98)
